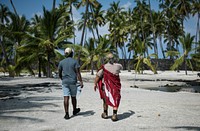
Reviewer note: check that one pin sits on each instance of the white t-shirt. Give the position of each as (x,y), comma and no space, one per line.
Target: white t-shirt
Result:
(113,68)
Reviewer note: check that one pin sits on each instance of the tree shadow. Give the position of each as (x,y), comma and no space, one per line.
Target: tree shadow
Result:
(194,128)
(11,100)
(20,103)
(11,91)
(18,118)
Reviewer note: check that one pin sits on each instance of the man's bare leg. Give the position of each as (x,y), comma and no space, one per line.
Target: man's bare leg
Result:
(74,103)
(66,106)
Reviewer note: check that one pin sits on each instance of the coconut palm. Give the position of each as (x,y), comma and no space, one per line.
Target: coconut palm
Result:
(114,19)
(118,28)
(50,35)
(13,6)
(159,24)
(142,12)
(4,18)
(71,4)
(153,29)
(196,11)
(98,19)
(131,27)
(89,4)
(14,31)
(89,55)
(183,9)
(196,56)
(141,60)
(186,42)
(172,22)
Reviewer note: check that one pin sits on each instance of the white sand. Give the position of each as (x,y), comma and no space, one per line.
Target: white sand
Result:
(41,108)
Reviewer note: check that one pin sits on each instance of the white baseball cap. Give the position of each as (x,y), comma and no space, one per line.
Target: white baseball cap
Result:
(68,50)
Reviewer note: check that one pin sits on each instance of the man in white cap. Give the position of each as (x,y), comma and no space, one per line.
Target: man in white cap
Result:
(108,82)
(69,72)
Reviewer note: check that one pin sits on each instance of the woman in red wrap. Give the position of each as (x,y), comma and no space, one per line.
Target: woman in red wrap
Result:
(108,82)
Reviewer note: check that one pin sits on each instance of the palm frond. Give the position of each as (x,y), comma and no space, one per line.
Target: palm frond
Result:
(177,63)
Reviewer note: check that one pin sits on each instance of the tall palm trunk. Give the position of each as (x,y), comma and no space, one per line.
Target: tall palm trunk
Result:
(197,33)
(129,58)
(125,57)
(161,46)
(14,7)
(17,42)
(71,13)
(153,30)
(39,67)
(92,66)
(185,64)
(143,35)
(49,74)
(84,26)
(4,51)
(54,5)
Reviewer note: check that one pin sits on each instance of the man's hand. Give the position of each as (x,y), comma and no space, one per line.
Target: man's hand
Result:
(81,84)
(95,87)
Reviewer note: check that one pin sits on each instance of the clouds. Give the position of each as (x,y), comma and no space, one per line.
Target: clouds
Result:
(127,5)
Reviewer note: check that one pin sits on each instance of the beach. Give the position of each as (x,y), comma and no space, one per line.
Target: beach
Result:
(36,104)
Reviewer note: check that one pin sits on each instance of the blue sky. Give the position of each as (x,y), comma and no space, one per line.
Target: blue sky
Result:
(31,7)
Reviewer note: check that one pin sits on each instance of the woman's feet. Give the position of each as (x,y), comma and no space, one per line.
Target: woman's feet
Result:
(104,115)
(114,117)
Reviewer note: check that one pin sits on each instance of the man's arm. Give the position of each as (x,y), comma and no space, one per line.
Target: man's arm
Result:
(60,73)
(79,77)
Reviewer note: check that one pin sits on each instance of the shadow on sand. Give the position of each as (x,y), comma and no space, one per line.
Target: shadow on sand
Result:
(85,114)
(125,115)
(19,118)
(192,128)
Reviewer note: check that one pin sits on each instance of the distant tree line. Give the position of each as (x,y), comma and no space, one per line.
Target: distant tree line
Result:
(37,42)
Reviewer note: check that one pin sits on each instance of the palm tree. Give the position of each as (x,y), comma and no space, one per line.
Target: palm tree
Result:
(184,8)
(130,19)
(186,42)
(50,35)
(14,35)
(4,18)
(159,24)
(153,29)
(142,10)
(172,22)
(98,19)
(118,28)
(89,54)
(114,18)
(71,4)
(93,4)
(196,11)
(196,56)
(15,11)
(141,59)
